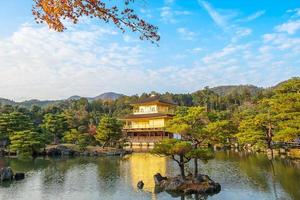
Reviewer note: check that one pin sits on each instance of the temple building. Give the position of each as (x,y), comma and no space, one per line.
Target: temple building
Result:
(147,123)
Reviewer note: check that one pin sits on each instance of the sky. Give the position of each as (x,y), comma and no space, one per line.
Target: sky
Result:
(203,43)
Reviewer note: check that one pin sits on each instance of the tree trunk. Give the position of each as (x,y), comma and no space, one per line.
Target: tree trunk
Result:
(196,167)
(104,144)
(181,165)
(269,135)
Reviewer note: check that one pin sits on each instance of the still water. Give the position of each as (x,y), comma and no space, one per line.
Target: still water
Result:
(242,176)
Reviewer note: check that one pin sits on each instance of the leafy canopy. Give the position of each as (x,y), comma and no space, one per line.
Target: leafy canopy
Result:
(55,12)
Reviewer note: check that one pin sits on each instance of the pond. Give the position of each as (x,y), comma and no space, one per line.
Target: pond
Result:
(242,176)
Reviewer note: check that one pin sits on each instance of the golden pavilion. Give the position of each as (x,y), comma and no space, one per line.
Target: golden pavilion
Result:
(147,123)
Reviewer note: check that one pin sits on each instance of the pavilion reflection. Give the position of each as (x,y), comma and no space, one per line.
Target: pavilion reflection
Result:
(143,166)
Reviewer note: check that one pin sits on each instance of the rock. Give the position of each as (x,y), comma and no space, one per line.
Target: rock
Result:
(19,176)
(202,178)
(53,152)
(6,174)
(140,184)
(65,150)
(95,153)
(188,185)
(60,150)
(174,184)
(158,178)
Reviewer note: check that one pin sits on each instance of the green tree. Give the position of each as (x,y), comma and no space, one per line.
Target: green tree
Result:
(54,125)
(286,106)
(190,123)
(71,136)
(109,130)
(220,131)
(257,128)
(12,122)
(274,118)
(175,148)
(26,142)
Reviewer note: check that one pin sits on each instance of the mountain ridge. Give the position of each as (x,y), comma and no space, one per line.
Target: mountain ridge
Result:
(42,103)
(229,89)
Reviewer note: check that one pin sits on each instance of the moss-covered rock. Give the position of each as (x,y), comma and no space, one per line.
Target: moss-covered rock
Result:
(188,185)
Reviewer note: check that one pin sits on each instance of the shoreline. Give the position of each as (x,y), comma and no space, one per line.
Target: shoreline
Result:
(71,150)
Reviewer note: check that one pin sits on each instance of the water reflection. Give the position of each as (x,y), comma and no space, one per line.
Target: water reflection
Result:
(241,175)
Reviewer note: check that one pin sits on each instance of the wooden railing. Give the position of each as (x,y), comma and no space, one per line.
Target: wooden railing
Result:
(128,128)
(141,126)
(147,139)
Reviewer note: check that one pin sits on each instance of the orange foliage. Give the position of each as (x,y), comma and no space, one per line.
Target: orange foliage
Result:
(54,12)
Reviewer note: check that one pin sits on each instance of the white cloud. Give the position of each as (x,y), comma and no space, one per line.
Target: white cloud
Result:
(225,21)
(240,32)
(186,34)
(197,49)
(146,12)
(290,27)
(169,1)
(216,17)
(38,63)
(253,16)
(296,12)
(282,41)
(169,15)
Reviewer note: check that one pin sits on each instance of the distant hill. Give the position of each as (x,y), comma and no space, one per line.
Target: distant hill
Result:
(45,103)
(104,96)
(6,102)
(228,89)
(75,97)
(108,96)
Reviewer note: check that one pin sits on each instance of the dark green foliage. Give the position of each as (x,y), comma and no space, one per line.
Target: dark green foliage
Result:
(54,125)
(26,142)
(182,152)
(109,131)
(274,118)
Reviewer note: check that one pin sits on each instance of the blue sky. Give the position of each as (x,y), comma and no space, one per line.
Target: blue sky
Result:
(203,43)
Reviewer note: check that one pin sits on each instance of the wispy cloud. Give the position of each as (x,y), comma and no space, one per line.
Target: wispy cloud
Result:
(226,22)
(216,17)
(253,16)
(168,2)
(295,12)
(290,27)
(185,34)
(169,15)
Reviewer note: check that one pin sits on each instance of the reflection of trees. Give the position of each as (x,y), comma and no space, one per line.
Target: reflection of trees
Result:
(20,165)
(266,174)
(256,168)
(54,174)
(288,177)
(108,172)
(270,176)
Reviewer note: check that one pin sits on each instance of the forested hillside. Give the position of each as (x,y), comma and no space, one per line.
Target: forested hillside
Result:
(240,89)
(258,118)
